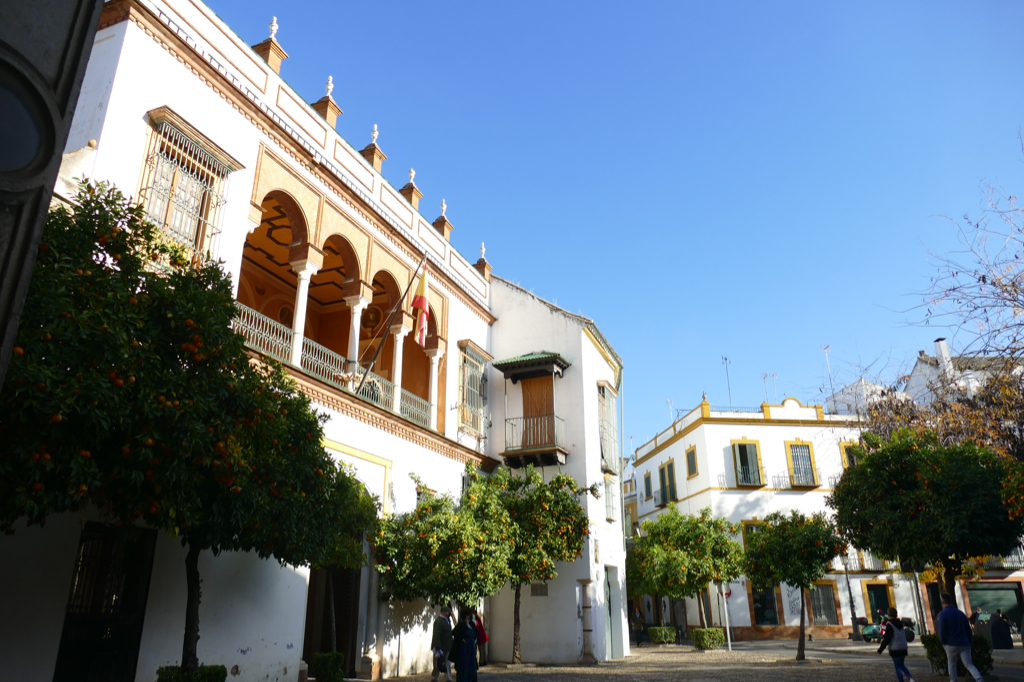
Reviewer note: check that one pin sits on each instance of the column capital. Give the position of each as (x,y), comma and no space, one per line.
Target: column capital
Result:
(357,301)
(402,324)
(305,269)
(400,330)
(435,354)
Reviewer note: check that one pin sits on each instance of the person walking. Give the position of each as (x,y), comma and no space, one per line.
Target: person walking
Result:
(956,636)
(481,639)
(463,653)
(637,623)
(894,637)
(441,644)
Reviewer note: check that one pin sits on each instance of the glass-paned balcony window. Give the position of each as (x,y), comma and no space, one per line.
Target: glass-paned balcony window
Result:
(748,467)
(472,391)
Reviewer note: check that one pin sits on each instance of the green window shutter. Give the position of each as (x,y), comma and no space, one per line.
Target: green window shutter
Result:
(670,471)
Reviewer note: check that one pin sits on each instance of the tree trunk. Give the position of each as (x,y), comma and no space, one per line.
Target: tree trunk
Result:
(949,576)
(800,644)
(701,615)
(331,615)
(516,657)
(189,657)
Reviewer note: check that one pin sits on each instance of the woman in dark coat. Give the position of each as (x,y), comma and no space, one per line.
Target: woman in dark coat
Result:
(463,653)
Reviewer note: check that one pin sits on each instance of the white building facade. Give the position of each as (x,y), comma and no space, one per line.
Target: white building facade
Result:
(745,463)
(231,162)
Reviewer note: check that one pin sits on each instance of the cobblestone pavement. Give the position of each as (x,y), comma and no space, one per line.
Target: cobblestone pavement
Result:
(663,664)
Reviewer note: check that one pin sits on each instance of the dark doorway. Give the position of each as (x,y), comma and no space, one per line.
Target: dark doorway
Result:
(878,598)
(935,600)
(103,620)
(339,615)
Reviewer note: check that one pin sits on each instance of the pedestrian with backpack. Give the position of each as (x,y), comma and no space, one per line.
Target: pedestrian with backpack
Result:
(895,637)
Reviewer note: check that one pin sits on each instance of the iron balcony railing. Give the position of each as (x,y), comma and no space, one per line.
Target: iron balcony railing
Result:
(721,408)
(263,334)
(534,433)
(748,476)
(629,498)
(833,481)
(804,477)
(325,364)
(415,408)
(660,497)
(274,339)
(869,562)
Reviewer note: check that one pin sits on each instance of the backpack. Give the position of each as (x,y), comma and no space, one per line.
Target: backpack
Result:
(899,639)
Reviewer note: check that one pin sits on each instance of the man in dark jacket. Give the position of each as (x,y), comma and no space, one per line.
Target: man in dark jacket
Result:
(956,636)
(441,644)
(895,638)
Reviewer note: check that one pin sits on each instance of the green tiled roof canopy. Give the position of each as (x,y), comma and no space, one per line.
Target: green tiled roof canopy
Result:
(541,363)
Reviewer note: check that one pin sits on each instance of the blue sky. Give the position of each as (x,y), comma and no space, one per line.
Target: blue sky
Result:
(752,180)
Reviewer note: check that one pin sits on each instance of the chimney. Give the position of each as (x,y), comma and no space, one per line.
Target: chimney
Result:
(411,191)
(326,106)
(482,266)
(271,51)
(942,353)
(442,225)
(372,152)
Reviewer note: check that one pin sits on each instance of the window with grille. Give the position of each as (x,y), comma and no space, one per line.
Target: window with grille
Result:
(608,429)
(801,465)
(823,605)
(183,189)
(609,499)
(472,390)
(766,609)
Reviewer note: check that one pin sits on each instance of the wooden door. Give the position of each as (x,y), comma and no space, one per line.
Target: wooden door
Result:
(538,412)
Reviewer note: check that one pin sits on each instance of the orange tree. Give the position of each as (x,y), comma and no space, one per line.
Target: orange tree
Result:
(795,550)
(129,391)
(915,501)
(680,555)
(548,525)
(445,549)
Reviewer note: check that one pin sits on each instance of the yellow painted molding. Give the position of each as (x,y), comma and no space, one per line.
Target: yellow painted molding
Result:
(367,457)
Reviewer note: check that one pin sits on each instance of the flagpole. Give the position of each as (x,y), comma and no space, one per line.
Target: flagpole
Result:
(391,319)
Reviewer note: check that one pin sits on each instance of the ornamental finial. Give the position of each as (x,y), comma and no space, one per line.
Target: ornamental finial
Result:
(374,134)
(330,85)
(483,250)
(412,176)
(273,26)
(444,208)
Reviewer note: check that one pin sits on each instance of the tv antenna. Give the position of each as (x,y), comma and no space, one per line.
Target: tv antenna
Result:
(725,361)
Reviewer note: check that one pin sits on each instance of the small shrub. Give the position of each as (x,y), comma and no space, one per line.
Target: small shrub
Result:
(205,673)
(707,638)
(662,635)
(981,655)
(327,666)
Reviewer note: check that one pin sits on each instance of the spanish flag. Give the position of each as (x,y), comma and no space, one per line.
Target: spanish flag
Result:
(419,304)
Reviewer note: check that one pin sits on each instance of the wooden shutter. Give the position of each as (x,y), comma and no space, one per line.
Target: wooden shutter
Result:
(538,412)
(670,471)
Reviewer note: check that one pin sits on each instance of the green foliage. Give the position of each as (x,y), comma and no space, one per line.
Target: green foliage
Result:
(665,635)
(443,551)
(129,390)
(205,673)
(707,638)
(327,666)
(981,655)
(793,549)
(912,500)
(679,555)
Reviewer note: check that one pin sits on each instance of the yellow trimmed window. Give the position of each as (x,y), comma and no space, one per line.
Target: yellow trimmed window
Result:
(691,462)
(746,455)
(802,471)
(849,459)
(648,493)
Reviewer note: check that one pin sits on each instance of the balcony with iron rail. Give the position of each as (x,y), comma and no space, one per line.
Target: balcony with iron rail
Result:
(537,440)
(748,476)
(799,477)
(274,339)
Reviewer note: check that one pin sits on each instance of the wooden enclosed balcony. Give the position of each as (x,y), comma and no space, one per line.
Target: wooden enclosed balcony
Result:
(537,440)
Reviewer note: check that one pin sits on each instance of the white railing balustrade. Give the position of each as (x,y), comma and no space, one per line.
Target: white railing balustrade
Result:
(376,389)
(263,334)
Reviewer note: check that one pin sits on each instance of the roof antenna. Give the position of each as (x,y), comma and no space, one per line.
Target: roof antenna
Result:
(725,361)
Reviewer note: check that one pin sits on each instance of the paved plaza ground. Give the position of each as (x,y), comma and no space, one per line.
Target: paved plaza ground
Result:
(749,662)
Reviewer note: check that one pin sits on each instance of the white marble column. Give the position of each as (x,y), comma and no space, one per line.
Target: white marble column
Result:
(304,271)
(356,306)
(399,332)
(435,355)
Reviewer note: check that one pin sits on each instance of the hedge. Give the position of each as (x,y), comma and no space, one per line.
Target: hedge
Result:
(981,655)
(205,673)
(707,638)
(327,666)
(662,635)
